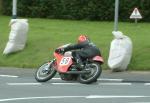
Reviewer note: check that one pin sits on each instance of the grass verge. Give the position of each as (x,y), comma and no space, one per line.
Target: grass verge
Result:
(47,34)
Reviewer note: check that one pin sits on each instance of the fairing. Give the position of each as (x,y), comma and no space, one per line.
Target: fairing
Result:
(98,58)
(63,63)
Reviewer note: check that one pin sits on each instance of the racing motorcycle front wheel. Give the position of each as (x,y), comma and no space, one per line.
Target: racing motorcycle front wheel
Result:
(45,72)
(95,71)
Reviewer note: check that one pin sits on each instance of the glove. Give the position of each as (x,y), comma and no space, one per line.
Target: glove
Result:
(59,50)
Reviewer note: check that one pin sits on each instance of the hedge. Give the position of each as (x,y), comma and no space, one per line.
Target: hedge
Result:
(78,9)
(0,6)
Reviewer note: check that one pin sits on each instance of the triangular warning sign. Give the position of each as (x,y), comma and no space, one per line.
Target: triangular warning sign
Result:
(135,14)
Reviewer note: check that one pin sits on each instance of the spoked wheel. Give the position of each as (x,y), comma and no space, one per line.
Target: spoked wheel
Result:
(95,72)
(45,72)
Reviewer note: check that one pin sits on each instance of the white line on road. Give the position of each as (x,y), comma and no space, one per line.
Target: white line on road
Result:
(66,83)
(115,96)
(147,84)
(115,83)
(106,79)
(99,84)
(56,78)
(24,84)
(47,97)
(101,79)
(60,97)
(13,76)
(139,102)
(110,84)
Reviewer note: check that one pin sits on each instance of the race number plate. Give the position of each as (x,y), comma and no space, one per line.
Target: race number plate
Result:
(65,61)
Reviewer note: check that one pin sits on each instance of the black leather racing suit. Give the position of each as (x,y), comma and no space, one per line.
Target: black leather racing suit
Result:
(83,50)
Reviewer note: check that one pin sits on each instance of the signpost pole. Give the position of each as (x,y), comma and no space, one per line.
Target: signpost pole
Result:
(116,15)
(136,20)
(14,9)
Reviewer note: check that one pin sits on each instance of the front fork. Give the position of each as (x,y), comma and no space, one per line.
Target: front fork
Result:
(54,63)
(49,64)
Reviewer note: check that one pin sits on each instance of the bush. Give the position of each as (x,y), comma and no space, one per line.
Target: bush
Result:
(78,9)
(0,6)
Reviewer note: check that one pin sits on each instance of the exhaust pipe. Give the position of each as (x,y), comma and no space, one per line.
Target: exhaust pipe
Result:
(78,72)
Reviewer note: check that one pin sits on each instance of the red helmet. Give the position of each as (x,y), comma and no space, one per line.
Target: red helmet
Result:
(82,38)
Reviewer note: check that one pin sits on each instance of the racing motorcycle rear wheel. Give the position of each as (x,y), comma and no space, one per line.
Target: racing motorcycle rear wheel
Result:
(45,72)
(95,72)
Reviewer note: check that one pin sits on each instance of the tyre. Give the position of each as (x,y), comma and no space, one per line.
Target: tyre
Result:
(95,72)
(45,72)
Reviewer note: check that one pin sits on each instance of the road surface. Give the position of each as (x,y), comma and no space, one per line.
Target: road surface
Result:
(19,86)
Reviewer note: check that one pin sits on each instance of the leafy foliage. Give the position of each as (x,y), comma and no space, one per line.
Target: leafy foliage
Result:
(78,9)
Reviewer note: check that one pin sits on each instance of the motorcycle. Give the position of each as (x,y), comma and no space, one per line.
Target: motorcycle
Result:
(65,65)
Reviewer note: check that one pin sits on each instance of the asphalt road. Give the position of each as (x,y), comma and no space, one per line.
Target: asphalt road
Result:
(19,86)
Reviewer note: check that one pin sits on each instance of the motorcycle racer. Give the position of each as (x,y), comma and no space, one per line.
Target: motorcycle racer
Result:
(83,49)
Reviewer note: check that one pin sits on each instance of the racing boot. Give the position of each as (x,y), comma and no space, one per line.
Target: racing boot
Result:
(80,65)
(77,58)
